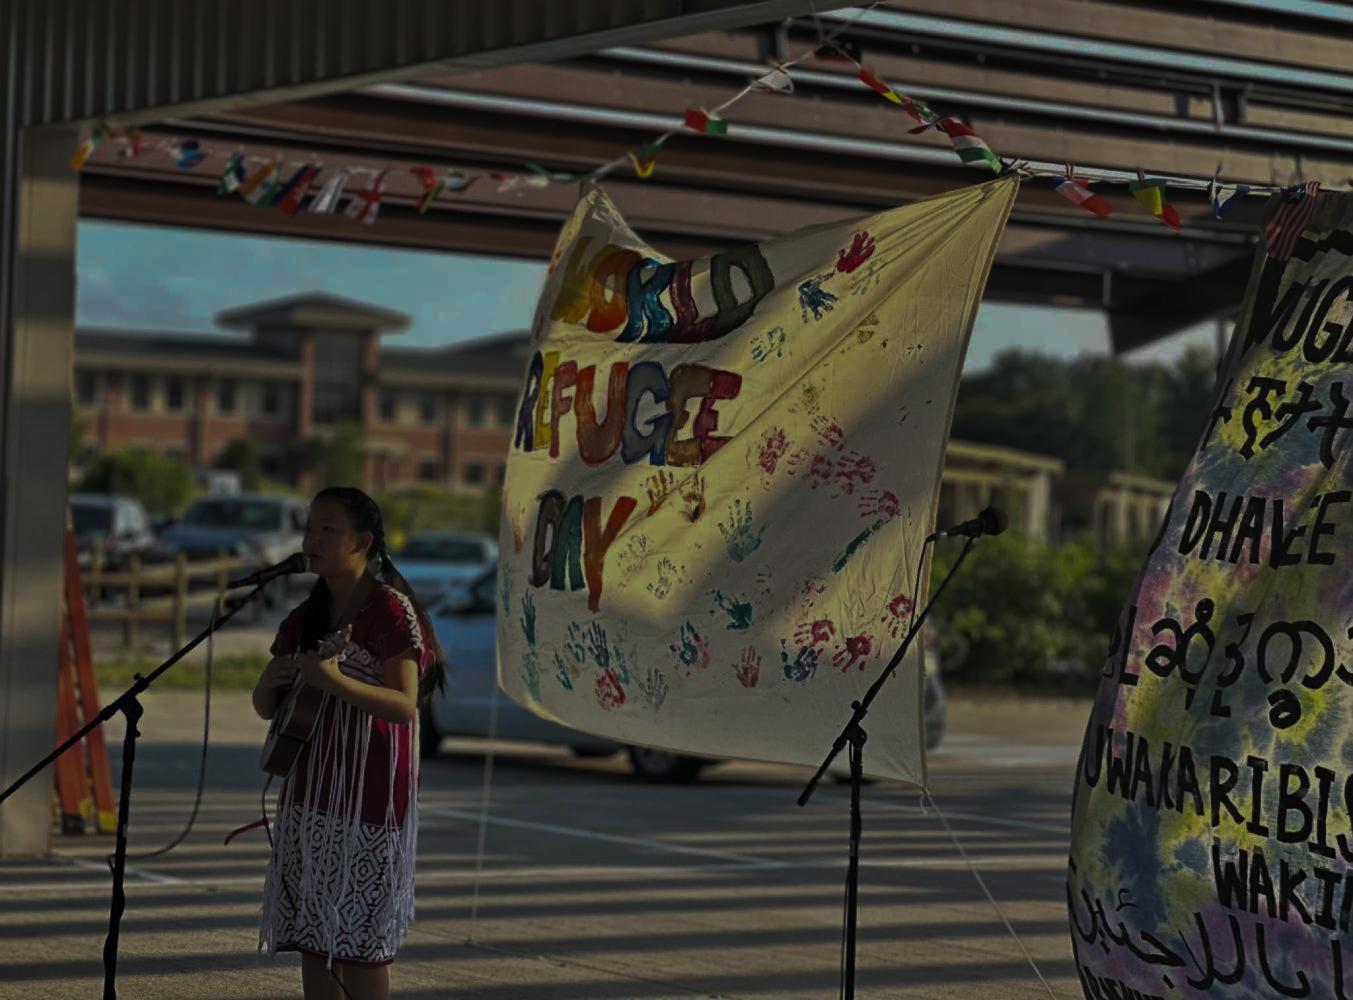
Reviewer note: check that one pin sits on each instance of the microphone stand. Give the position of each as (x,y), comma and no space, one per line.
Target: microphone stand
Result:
(854,736)
(127,704)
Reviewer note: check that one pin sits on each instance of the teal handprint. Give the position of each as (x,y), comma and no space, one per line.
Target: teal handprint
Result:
(561,673)
(739,612)
(528,620)
(575,644)
(738,536)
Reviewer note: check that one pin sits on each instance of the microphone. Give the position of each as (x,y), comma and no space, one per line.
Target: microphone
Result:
(991,521)
(294,563)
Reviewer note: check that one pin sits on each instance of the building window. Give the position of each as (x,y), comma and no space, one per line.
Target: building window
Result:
(272,398)
(388,407)
(429,409)
(507,411)
(140,392)
(86,388)
(474,410)
(225,395)
(430,470)
(474,474)
(173,394)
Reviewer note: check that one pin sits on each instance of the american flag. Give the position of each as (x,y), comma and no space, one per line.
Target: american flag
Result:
(1289,221)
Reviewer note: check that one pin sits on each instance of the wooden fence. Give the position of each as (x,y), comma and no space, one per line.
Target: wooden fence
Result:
(170,591)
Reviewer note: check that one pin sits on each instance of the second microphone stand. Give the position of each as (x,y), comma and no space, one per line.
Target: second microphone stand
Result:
(854,736)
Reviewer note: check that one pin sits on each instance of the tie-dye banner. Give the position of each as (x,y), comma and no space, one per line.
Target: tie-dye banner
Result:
(722,473)
(1212,832)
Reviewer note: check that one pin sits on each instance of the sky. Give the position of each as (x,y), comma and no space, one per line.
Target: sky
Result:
(148,278)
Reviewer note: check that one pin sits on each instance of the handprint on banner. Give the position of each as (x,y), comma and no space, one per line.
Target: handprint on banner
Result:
(596,639)
(856,651)
(812,397)
(738,536)
(867,328)
(897,614)
(880,503)
(748,669)
(802,667)
(659,488)
(772,342)
(814,298)
(853,470)
(693,497)
(815,633)
(561,673)
(860,250)
(530,672)
(528,619)
(869,279)
(739,613)
(575,644)
(773,446)
(620,663)
(654,688)
(832,434)
(691,649)
(668,575)
(610,692)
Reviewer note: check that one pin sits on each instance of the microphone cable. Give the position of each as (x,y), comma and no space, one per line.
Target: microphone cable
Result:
(202,762)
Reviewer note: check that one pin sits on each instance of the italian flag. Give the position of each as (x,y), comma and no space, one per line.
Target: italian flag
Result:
(700,120)
(1150,194)
(1078,192)
(967,143)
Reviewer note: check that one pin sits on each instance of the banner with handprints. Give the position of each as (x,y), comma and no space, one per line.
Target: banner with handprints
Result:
(722,472)
(1212,831)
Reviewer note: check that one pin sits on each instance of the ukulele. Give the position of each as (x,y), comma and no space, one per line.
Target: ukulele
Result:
(294,722)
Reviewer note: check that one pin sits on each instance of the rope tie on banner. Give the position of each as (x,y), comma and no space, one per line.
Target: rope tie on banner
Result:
(259,179)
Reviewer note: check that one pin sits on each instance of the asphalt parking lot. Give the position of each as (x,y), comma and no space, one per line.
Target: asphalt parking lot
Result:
(590,884)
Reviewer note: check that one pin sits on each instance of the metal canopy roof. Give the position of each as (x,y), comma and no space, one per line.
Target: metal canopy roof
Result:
(1177,90)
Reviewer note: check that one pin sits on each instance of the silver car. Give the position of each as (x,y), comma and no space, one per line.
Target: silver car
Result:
(435,561)
(465,624)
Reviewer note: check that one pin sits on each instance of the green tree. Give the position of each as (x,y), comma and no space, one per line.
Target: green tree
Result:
(242,455)
(336,457)
(77,438)
(163,484)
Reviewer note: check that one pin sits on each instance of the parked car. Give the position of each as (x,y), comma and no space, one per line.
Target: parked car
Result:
(258,528)
(118,524)
(435,561)
(465,625)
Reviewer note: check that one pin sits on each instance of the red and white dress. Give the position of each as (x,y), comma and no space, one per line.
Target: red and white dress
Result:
(340,880)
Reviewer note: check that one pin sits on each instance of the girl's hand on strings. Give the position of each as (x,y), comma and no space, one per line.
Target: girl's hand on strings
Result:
(321,673)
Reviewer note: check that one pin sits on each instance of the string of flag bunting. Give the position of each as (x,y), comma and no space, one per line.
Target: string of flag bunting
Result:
(267,181)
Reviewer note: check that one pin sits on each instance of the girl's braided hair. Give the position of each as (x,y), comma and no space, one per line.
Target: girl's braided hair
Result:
(365,515)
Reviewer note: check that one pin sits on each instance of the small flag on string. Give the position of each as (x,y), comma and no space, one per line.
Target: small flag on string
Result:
(1150,193)
(87,147)
(777,81)
(700,120)
(186,153)
(1076,191)
(1222,201)
(838,51)
(552,176)
(511,182)
(457,180)
(967,143)
(130,144)
(875,83)
(327,200)
(1285,226)
(431,185)
(643,168)
(288,198)
(232,176)
(257,188)
(365,203)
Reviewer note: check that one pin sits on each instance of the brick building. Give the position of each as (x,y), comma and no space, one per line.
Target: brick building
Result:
(302,366)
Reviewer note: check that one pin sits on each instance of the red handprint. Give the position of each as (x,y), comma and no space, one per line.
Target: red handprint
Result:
(899,608)
(749,668)
(880,504)
(858,648)
(861,249)
(831,433)
(854,470)
(816,633)
(773,446)
(610,694)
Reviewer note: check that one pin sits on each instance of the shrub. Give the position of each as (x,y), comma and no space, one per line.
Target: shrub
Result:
(164,485)
(1024,613)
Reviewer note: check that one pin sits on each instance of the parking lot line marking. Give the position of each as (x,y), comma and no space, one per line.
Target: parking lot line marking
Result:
(873,804)
(744,860)
(140,873)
